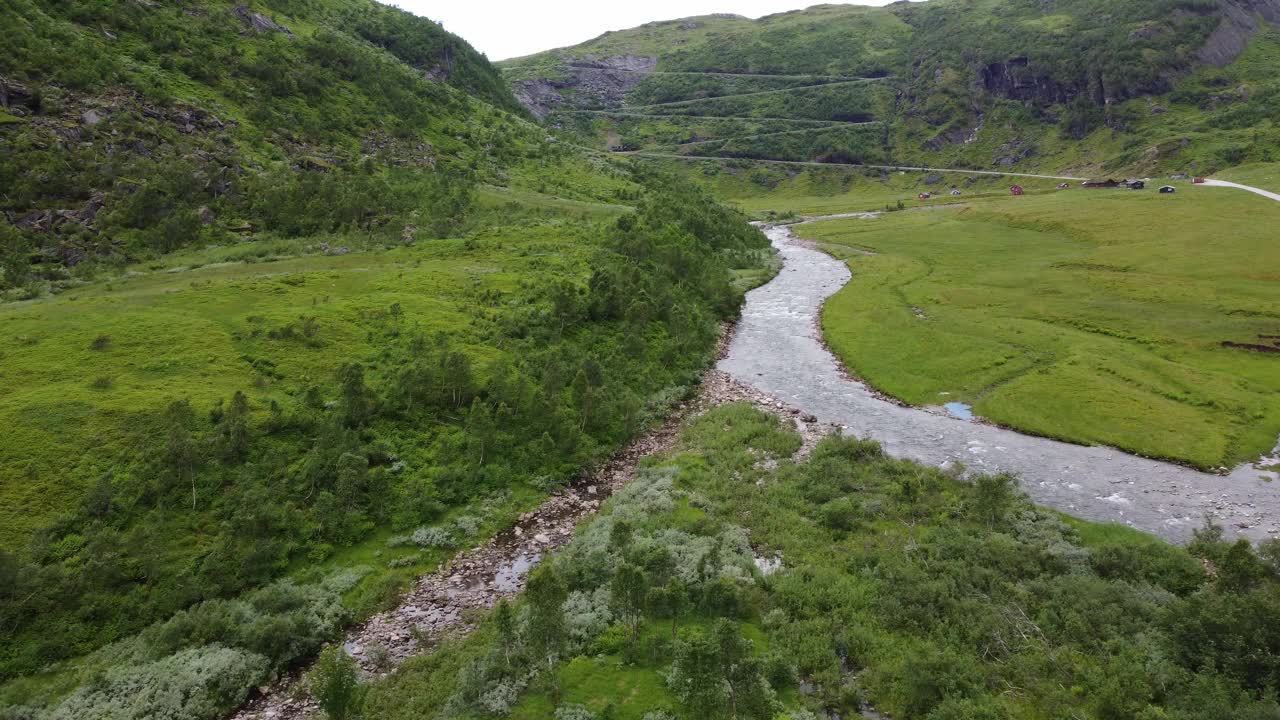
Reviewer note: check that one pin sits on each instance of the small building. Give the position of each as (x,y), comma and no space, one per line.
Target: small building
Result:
(955,192)
(1198,181)
(1016,190)
(1108,183)
(1135,184)
(1168,190)
(925,196)
(1063,186)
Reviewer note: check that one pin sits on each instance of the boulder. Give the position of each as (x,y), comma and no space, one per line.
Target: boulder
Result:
(12,93)
(258,22)
(90,210)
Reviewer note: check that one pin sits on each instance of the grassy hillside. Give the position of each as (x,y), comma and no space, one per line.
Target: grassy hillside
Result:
(1148,86)
(281,281)
(133,129)
(1098,316)
(893,587)
(786,189)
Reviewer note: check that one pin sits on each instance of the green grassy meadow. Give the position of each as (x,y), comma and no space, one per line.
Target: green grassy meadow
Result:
(1092,316)
(190,332)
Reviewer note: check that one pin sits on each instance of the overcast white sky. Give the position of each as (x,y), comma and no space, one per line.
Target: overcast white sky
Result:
(505,29)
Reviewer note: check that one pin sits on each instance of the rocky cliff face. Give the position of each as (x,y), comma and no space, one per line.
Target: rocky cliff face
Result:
(596,83)
(1015,79)
(1019,79)
(1240,22)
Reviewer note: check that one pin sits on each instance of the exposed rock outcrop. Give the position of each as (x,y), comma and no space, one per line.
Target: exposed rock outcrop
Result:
(595,82)
(12,93)
(1013,152)
(953,136)
(258,22)
(1241,20)
(1015,79)
(442,70)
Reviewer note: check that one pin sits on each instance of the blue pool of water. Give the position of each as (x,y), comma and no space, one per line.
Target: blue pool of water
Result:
(959,410)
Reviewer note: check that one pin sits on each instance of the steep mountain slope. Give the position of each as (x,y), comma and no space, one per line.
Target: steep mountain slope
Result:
(745,576)
(130,129)
(296,302)
(977,83)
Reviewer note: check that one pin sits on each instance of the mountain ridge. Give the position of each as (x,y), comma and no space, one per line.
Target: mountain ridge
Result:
(966,77)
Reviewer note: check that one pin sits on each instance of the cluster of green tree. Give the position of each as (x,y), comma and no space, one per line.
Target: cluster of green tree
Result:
(845,102)
(581,363)
(848,144)
(1084,54)
(88,46)
(134,129)
(656,583)
(663,88)
(963,600)
(203,662)
(854,44)
(901,586)
(652,131)
(423,45)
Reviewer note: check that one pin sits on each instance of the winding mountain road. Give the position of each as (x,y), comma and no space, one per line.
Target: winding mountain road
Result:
(812,163)
(1228,184)
(777,350)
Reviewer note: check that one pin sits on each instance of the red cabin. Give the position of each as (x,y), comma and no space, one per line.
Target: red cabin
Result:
(1198,181)
(1016,190)
(925,196)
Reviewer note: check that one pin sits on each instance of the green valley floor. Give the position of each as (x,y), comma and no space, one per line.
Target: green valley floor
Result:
(1128,318)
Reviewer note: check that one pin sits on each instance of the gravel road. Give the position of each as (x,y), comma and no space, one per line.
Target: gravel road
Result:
(777,350)
(1227,184)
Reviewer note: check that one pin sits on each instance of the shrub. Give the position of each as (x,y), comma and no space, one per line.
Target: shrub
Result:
(499,699)
(587,614)
(841,514)
(432,537)
(575,712)
(193,684)
(467,525)
(335,685)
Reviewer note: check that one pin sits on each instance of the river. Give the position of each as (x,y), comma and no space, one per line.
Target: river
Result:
(777,349)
